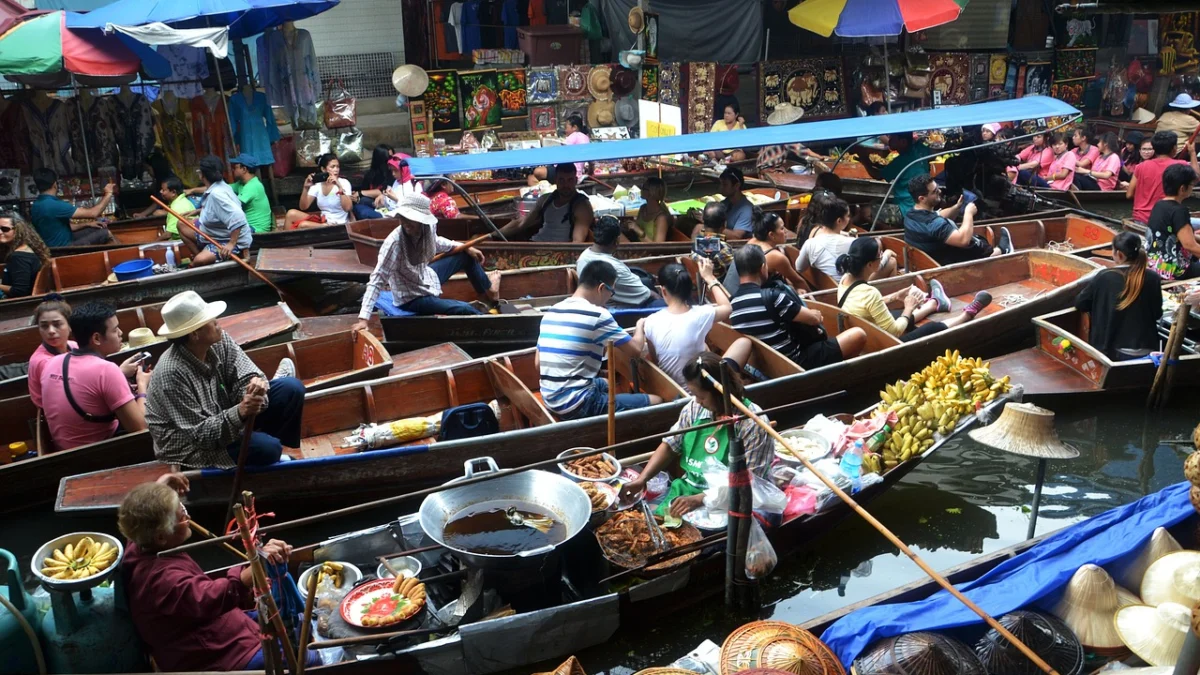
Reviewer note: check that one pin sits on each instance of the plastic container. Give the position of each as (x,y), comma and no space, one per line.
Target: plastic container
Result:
(134,269)
(851,463)
(171,257)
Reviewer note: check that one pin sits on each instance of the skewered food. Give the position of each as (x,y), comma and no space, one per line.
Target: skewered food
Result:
(593,468)
(79,561)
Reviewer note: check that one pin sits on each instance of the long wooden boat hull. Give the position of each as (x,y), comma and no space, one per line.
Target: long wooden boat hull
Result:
(1083,196)
(128,232)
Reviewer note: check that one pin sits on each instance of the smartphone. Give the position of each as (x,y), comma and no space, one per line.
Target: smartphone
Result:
(142,358)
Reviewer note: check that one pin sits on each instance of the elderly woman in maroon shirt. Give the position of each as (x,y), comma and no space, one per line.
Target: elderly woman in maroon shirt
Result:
(190,621)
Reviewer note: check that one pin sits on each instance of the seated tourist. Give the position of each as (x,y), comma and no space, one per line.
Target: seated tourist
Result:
(1124,303)
(858,297)
(933,231)
(1104,172)
(23,252)
(87,398)
(709,240)
(403,183)
(52,216)
(563,215)
(571,347)
(441,198)
(1146,186)
(1136,149)
(188,620)
(414,278)
(828,240)
(739,216)
(51,317)
(772,312)
(628,290)
(205,389)
(654,219)
(251,193)
(899,171)
(771,235)
(376,179)
(1033,164)
(731,120)
(329,191)
(697,449)
(1171,244)
(173,193)
(221,218)
(1061,174)
(1086,152)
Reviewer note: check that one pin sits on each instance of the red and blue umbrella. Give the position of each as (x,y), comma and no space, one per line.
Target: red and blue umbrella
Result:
(873,18)
(41,44)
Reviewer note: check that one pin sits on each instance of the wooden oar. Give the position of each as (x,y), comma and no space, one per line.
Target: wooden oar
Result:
(612,394)
(941,581)
(461,247)
(295,302)
(243,453)
(1160,389)
(306,624)
(205,532)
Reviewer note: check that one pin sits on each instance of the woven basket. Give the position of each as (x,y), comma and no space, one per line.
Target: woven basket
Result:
(1046,635)
(918,654)
(664,671)
(778,646)
(571,666)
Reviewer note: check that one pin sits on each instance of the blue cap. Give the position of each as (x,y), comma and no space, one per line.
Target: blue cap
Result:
(245,159)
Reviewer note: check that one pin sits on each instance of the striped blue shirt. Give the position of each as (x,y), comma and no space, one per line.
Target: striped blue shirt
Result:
(570,350)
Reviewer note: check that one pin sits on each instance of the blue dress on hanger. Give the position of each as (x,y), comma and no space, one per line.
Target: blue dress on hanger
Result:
(253,126)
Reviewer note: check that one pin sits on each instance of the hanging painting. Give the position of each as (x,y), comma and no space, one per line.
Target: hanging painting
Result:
(441,101)
(479,92)
(1178,43)
(565,110)
(669,78)
(814,84)
(1070,64)
(997,69)
(650,83)
(1069,92)
(950,78)
(572,82)
(541,86)
(512,93)
(1037,79)
(702,78)
(543,119)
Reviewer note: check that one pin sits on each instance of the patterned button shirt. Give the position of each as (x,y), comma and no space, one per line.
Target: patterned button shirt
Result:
(404,266)
(192,405)
(756,443)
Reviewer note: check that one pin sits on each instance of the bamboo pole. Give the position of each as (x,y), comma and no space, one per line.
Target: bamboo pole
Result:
(306,626)
(1170,353)
(890,536)
(240,471)
(205,532)
(612,394)
(264,587)
(270,650)
(387,501)
(460,248)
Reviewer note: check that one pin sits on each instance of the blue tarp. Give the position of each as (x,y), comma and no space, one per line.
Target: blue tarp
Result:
(1033,107)
(1111,539)
(243,17)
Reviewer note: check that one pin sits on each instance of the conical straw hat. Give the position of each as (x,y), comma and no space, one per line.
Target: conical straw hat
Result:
(919,653)
(779,646)
(1048,637)
(1174,577)
(1161,543)
(1155,634)
(1088,606)
(1025,429)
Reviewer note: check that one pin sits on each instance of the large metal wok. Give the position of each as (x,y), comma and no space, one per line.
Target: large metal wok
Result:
(560,496)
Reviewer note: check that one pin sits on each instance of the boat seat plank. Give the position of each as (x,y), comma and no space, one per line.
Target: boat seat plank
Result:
(436,356)
(340,263)
(1027,288)
(508,385)
(109,486)
(1041,373)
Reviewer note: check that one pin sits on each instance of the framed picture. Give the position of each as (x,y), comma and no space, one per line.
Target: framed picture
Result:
(543,119)
(512,93)
(420,127)
(479,92)
(442,101)
(416,108)
(652,34)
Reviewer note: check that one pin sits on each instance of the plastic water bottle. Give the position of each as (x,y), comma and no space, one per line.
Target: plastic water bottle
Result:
(170,256)
(852,461)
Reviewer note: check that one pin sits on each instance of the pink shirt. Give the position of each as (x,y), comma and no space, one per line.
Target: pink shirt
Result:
(578,138)
(1110,163)
(1149,188)
(37,362)
(1044,159)
(1092,154)
(1063,161)
(99,387)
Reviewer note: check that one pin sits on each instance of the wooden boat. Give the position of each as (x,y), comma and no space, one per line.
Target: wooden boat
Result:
(322,362)
(86,277)
(326,469)
(246,328)
(1081,197)
(130,231)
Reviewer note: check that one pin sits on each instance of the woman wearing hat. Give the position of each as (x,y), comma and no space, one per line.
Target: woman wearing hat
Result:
(1181,119)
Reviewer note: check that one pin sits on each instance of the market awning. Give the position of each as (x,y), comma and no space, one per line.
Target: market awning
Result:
(873,18)
(1033,107)
(43,45)
(244,18)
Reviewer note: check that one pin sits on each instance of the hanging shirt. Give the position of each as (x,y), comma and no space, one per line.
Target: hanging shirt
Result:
(511,18)
(253,126)
(472,38)
(175,138)
(103,125)
(537,12)
(135,136)
(254,202)
(14,148)
(210,127)
(288,73)
(187,63)
(50,135)
(454,18)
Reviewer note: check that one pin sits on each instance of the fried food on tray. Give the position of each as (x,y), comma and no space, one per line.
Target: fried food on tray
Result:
(408,597)
(594,467)
(599,499)
(627,532)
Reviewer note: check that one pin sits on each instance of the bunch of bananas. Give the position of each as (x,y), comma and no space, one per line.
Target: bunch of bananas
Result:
(955,379)
(79,561)
(913,433)
(332,570)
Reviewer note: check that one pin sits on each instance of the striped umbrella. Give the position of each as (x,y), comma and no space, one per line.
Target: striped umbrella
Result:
(873,18)
(42,44)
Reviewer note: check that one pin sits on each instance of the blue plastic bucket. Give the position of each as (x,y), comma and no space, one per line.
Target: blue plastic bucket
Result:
(134,269)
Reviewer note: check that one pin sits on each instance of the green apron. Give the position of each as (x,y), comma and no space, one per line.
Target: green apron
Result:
(697,447)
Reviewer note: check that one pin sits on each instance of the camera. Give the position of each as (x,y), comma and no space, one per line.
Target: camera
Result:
(320,177)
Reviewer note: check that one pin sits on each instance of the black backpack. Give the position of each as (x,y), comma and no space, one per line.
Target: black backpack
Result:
(468,421)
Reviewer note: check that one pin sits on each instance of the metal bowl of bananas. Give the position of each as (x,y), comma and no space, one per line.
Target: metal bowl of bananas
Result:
(77,561)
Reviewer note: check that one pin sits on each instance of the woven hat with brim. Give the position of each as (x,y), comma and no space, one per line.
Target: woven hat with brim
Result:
(600,83)
(1047,636)
(187,312)
(1174,577)
(632,58)
(636,20)
(601,114)
(1184,101)
(571,666)
(415,207)
(626,112)
(624,81)
(410,80)
(1088,606)
(140,337)
(1155,634)
(1160,544)
(1142,116)
(920,653)
(778,646)
(785,113)
(1025,429)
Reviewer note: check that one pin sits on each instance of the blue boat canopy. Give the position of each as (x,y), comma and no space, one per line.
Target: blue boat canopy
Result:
(1033,107)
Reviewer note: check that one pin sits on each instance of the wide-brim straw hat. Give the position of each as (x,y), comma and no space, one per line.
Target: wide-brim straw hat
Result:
(410,80)
(601,114)
(785,113)
(1025,429)
(414,206)
(1160,544)
(778,646)
(1155,634)
(1184,101)
(1046,635)
(140,337)
(636,20)
(626,112)
(624,81)
(1143,116)
(1174,577)
(921,653)
(1089,604)
(600,82)
(187,312)
(571,666)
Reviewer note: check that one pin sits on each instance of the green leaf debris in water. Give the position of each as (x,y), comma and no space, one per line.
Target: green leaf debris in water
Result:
(954,511)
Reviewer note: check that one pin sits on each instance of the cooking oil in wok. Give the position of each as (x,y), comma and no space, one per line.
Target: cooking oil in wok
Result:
(487,528)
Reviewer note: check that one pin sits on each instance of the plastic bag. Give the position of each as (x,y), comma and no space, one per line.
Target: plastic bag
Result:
(802,501)
(760,555)
(767,497)
(348,145)
(340,108)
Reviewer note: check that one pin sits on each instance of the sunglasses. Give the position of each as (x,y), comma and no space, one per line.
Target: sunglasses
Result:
(7,228)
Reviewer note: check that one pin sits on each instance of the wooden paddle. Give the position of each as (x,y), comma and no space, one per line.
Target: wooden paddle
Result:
(241,467)
(941,580)
(461,247)
(612,394)
(302,306)
(1159,390)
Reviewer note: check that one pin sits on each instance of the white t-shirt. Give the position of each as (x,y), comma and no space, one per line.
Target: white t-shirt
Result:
(410,188)
(822,253)
(679,338)
(331,204)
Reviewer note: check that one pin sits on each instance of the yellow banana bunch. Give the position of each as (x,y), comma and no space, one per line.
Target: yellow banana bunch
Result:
(80,560)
